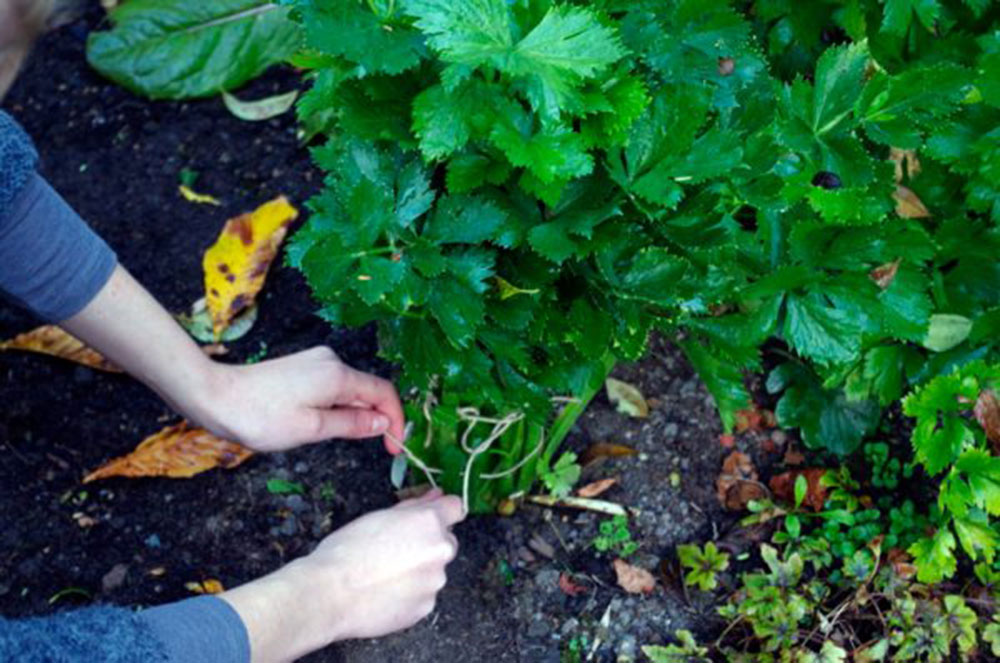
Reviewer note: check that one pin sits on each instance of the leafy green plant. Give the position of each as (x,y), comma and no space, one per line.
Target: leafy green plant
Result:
(947,441)
(615,537)
(174,49)
(563,475)
(703,565)
(517,193)
(687,651)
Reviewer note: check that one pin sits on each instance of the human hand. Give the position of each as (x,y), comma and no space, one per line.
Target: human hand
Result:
(379,574)
(305,397)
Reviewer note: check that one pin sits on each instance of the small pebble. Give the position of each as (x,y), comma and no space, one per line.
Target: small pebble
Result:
(152,541)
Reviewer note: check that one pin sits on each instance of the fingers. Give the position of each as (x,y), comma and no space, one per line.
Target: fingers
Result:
(346,422)
(376,393)
(449,509)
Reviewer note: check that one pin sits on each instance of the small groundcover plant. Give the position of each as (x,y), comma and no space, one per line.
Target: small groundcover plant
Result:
(517,193)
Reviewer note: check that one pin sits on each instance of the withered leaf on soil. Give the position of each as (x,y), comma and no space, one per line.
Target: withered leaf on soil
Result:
(236,265)
(210,586)
(569,587)
(56,342)
(600,450)
(753,419)
(179,451)
(596,488)
(783,487)
(260,109)
(987,411)
(633,579)
(626,398)
(908,205)
(193,196)
(738,483)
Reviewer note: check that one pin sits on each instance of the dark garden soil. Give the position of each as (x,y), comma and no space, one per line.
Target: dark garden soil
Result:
(116,159)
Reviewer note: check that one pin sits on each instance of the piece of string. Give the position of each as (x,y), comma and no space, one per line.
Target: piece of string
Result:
(472,418)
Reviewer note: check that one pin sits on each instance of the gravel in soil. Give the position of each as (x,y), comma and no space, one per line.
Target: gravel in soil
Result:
(116,158)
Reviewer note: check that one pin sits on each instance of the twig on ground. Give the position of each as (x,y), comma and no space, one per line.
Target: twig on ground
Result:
(587,504)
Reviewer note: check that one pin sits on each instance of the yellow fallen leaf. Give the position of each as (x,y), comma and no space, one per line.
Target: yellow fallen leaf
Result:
(209,586)
(236,265)
(56,342)
(179,451)
(627,398)
(633,579)
(908,205)
(195,197)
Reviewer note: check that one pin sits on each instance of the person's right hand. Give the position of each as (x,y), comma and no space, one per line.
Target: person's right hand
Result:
(378,574)
(388,566)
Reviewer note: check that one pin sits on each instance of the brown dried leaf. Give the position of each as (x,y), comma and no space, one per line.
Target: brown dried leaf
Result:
(177,451)
(633,579)
(793,457)
(753,419)
(56,342)
(884,275)
(596,488)
(627,398)
(783,487)
(569,587)
(904,157)
(738,483)
(908,205)
(600,450)
(987,411)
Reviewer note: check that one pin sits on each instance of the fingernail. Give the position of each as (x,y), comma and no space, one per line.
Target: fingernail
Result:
(379,423)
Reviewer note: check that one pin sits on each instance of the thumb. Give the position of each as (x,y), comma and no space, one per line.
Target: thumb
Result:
(347,422)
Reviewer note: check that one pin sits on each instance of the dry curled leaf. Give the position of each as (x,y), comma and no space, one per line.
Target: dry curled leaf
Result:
(908,205)
(738,483)
(907,159)
(56,342)
(236,265)
(210,586)
(193,196)
(596,488)
(884,275)
(569,587)
(753,419)
(626,398)
(783,487)
(260,109)
(179,451)
(600,450)
(633,579)
(987,411)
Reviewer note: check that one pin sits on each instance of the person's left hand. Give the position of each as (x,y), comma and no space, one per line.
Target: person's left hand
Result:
(306,397)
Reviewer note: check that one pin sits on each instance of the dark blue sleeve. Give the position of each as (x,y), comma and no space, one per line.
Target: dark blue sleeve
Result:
(105,634)
(200,630)
(204,629)
(51,262)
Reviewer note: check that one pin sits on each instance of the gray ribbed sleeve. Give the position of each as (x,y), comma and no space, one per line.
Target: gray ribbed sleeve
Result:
(51,262)
(204,629)
(92,635)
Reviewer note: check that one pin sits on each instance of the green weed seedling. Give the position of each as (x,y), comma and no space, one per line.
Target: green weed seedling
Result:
(615,537)
(703,564)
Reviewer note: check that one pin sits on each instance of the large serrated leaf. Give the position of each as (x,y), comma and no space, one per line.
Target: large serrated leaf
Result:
(174,49)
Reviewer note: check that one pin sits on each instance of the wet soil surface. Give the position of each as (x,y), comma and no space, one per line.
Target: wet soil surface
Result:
(116,158)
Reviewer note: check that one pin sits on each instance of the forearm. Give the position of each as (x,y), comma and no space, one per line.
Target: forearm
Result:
(130,328)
